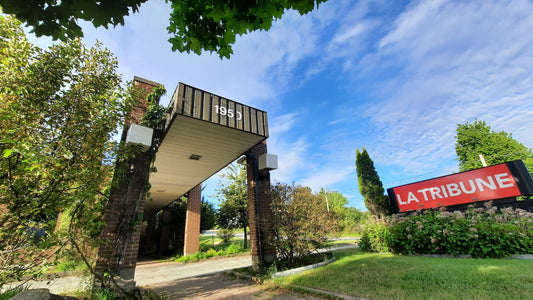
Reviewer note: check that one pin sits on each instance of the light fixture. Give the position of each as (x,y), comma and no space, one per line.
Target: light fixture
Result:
(195,157)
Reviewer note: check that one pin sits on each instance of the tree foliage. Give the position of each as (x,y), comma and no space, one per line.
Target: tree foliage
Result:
(233,195)
(370,186)
(59,109)
(301,222)
(210,25)
(207,216)
(350,218)
(477,138)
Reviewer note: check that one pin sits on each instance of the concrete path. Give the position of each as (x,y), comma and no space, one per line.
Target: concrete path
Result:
(149,273)
(222,286)
(198,280)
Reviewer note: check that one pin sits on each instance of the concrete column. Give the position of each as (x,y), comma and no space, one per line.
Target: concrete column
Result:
(192,221)
(259,209)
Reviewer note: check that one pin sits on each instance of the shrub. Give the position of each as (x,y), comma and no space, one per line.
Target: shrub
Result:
(375,237)
(480,232)
(301,223)
(225,234)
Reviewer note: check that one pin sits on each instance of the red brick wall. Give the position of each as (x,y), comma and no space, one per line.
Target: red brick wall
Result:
(192,225)
(120,235)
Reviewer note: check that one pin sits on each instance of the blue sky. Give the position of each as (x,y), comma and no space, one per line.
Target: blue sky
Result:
(395,77)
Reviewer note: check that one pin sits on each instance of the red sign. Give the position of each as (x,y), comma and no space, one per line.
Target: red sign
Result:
(489,183)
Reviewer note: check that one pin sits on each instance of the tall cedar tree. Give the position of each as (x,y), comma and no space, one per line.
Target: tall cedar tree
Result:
(370,186)
(477,138)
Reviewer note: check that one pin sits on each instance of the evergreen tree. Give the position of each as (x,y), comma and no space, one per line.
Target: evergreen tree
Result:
(207,215)
(370,186)
(477,138)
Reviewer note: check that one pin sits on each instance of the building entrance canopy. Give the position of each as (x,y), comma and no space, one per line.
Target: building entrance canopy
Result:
(204,133)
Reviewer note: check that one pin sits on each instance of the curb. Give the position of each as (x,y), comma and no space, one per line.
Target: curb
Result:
(324,293)
(301,269)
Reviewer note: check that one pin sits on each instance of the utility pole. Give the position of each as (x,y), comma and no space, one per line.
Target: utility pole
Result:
(327,202)
(483,162)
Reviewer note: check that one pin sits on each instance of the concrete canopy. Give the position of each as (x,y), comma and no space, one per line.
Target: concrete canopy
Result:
(203,134)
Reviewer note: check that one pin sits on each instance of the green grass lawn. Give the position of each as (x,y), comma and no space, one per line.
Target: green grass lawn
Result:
(387,276)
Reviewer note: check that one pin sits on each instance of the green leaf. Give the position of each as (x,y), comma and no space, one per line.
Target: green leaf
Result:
(8,152)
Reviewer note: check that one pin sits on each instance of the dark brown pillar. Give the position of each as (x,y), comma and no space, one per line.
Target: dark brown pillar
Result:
(192,221)
(259,209)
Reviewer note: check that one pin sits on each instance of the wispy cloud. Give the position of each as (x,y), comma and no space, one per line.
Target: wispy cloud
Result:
(452,62)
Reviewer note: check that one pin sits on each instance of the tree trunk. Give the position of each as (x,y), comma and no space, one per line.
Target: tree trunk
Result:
(245,238)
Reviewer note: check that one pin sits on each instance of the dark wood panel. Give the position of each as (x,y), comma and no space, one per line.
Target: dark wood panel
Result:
(199,104)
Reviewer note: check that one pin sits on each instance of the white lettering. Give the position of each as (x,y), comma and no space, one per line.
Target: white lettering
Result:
(435,192)
(444,191)
(502,181)
(424,192)
(400,200)
(411,198)
(453,189)
(480,183)
(472,186)
(222,110)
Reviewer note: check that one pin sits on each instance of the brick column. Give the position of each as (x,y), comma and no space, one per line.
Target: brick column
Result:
(259,209)
(192,221)
(118,251)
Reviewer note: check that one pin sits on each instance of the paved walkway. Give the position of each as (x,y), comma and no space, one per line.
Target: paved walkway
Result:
(222,286)
(149,273)
(199,280)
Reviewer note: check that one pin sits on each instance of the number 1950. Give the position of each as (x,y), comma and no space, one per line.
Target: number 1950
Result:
(222,110)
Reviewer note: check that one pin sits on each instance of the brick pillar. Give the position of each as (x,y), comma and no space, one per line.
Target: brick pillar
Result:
(192,221)
(259,209)
(120,236)
(118,251)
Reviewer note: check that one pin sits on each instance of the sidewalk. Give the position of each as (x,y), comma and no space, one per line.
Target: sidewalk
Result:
(202,279)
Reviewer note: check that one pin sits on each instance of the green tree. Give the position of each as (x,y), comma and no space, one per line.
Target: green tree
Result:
(370,185)
(477,138)
(233,195)
(207,216)
(350,218)
(210,25)
(334,201)
(301,222)
(59,109)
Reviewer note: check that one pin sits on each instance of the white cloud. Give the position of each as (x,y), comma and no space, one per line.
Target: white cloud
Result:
(454,62)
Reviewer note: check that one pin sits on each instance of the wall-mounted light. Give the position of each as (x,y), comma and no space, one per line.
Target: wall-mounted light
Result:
(268,162)
(139,135)
(195,157)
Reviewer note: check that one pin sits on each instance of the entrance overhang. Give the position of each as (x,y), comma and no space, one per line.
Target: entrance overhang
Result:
(203,134)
